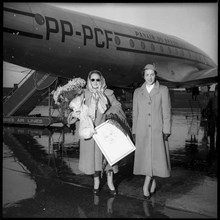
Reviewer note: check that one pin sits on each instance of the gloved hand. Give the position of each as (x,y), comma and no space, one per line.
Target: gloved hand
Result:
(109,116)
(134,137)
(165,136)
(71,119)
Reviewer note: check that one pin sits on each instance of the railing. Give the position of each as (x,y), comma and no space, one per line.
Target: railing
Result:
(19,84)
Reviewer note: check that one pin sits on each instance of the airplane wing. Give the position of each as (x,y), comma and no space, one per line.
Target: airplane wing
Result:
(197,78)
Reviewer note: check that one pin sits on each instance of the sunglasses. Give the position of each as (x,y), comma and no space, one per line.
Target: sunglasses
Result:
(97,80)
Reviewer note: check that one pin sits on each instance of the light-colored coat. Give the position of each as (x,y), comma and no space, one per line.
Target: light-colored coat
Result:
(151,118)
(91,157)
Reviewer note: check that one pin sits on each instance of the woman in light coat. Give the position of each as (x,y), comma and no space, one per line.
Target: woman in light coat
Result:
(101,102)
(151,128)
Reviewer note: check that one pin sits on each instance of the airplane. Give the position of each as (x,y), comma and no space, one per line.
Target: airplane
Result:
(68,44)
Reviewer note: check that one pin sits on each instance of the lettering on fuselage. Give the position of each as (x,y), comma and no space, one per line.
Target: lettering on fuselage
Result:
(52,27)
(155,44)
(102,38)
(143,35)
(155,38)
(88,34)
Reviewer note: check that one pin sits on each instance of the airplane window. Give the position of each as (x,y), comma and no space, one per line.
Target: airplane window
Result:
(39,19)
(176,51)
(194,55)
(152,47)
(131,43)
(182,53)
(161,48)
(189,54)
(169,50)
(142,45)
(117,40)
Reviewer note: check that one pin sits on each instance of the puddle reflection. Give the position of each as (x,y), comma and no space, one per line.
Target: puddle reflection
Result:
(54,153)
(194,151)
(17,184)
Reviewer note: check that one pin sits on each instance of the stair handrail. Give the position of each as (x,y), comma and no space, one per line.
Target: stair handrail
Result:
(25,77)
(12,91)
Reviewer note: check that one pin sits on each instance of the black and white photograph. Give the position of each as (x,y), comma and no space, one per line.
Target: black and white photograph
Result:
(148,72)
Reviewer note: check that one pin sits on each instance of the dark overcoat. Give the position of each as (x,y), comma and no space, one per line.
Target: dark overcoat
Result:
(91,157)
(151,118)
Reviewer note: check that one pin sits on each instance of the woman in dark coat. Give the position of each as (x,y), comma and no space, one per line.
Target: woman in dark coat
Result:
(151,128)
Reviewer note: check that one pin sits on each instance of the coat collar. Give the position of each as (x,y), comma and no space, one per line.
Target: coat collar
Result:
(154,91)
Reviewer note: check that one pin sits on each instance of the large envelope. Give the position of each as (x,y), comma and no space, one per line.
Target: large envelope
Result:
(114,144)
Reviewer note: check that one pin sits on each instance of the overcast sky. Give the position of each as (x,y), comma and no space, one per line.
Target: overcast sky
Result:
(196,23)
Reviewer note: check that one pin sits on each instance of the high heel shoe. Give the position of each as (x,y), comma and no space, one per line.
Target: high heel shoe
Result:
(154,192)
(147,197)
(153,186)
(113,192)
(95,191)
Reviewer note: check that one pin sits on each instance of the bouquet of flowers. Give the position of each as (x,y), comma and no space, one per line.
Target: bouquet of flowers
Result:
(68,91)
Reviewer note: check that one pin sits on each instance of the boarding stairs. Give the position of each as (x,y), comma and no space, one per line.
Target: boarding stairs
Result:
(31,90)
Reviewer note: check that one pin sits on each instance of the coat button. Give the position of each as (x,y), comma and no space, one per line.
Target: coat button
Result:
(149,114)
(149,125)
(149,103)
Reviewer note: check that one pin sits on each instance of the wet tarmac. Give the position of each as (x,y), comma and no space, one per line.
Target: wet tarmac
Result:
(41,177)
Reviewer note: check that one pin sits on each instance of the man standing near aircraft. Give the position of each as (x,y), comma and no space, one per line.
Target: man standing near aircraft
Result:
(151,129)
(212,118)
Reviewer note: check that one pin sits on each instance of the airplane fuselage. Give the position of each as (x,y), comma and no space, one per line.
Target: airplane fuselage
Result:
(67,44)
